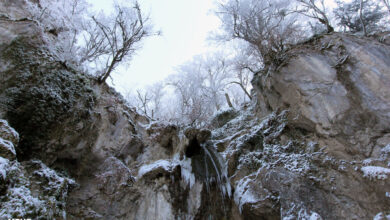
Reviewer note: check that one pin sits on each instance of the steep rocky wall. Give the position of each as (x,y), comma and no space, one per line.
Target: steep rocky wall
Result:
(316,145)
(336,86)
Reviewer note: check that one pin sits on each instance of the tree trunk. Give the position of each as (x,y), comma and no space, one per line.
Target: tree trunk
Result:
(361,18)
(228,100)
(329,28)
(246,92)
(107,73)
(243,88)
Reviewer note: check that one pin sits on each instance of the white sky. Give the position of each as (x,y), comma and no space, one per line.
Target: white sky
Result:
(184,24)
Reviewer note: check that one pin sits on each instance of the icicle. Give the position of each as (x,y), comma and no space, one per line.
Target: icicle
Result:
(186,172)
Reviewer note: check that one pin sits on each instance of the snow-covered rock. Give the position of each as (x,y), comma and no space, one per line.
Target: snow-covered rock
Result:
(7,149)
(34,191)
(157,167)
(4,166)
(9,139)
(8,133)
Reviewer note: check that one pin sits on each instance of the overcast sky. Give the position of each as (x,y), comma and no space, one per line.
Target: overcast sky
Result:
(184,25)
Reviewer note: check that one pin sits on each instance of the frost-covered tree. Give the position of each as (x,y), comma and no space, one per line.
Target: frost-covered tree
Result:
(359,15)
(187,85)
(215,69)
(143,98)
(98,42)
(120,36)
(63,19)
(266,25)
(157,93)
(315,9)
(148,100)
(206,85)
(245,64)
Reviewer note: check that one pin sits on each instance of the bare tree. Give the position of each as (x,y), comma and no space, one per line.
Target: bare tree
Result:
(315,9)
(119,38)
(143,99)
(107,41)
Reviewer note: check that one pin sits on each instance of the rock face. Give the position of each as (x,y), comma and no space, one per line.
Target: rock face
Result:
(315,145)
(337,86)
(29,188)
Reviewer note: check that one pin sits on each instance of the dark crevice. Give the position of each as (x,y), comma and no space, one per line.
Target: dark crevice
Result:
(193,148)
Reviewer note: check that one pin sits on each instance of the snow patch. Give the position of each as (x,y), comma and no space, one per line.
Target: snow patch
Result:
(375,172)
(243,193)
(52,176)
(164,164)
(367,162)
(289,217)
(315,216)
(4,166)
(386,149)
(21,203)
(381,216)
(41,195)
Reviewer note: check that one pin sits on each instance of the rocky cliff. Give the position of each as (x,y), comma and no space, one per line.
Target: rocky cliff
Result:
(315,144)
